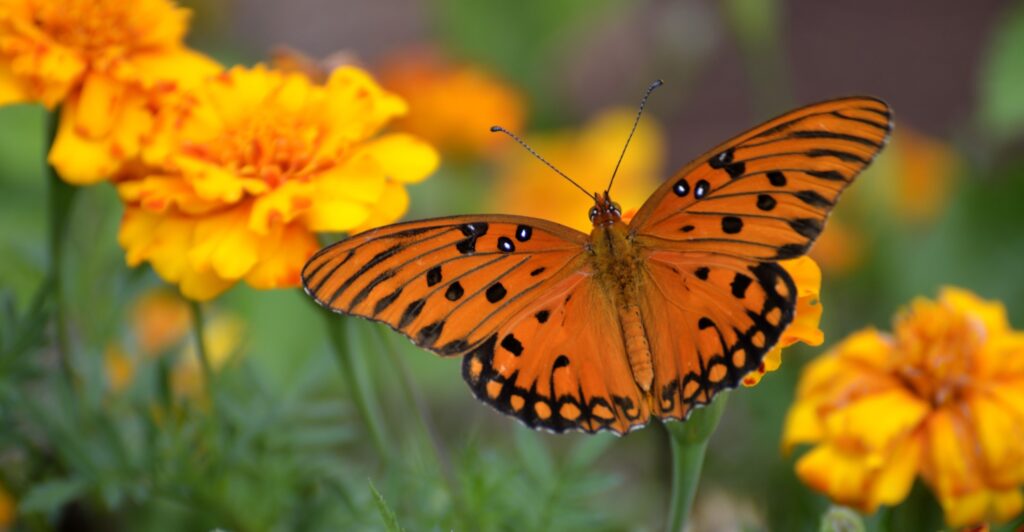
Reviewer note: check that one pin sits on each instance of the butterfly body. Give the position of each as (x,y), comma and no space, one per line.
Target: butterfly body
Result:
(649,318)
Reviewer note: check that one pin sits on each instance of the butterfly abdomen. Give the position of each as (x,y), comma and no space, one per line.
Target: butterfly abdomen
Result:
(638,352)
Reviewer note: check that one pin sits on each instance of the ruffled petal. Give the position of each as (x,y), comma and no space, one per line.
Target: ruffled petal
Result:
(402,157)
(223,244)
(281,258)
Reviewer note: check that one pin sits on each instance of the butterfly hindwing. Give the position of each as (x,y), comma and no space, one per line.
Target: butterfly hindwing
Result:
(560,364)
(724,315)
(765,194)
(445,283)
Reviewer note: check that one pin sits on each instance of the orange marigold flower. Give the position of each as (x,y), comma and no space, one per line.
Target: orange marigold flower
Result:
(453,105)
(255,161)
(942,396)
(105,61)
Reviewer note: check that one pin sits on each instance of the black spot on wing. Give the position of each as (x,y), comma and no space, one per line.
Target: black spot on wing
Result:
(765,202)
(496,292)
(732,224)
(511,344)
(702,273)
(386,301)
(523,233)
(411,312)
(776,178)
(537,272)
(812,198)
(542,316)
(739,285)
(429,334)
(454,291)
(434,276)
(807,227)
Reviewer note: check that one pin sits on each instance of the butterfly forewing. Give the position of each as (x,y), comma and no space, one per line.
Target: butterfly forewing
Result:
(765,194)
(449,283)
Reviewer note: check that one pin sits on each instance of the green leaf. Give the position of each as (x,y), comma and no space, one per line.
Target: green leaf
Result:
(1002,101)
(48,497)
(386,513)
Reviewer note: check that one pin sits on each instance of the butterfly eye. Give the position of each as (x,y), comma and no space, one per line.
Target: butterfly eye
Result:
(617,209)
(593,213)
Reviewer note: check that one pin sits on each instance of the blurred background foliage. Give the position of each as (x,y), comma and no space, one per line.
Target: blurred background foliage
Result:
(137,443)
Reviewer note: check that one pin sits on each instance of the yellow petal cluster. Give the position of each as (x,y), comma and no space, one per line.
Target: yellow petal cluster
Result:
(942,397)
(106,62)
(239,176)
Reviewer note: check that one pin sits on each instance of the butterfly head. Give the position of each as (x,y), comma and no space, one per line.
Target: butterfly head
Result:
(605,211)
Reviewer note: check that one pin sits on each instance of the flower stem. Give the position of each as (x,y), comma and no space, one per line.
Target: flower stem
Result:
(351,371)
(204,357)
(61,196)
(689,441)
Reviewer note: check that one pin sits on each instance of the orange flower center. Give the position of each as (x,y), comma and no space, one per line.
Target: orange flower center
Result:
(936,348)
(95,27)
(270,146)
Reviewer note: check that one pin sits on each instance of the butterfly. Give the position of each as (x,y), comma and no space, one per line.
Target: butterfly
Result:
(650,318)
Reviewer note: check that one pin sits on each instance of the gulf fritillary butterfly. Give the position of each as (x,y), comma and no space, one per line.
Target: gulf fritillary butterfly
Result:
(564,330)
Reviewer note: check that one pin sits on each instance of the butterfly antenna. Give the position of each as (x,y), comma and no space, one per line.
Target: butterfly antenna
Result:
(643,101)
(499,129)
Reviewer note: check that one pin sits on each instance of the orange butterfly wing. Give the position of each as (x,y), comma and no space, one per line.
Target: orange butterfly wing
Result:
(512,294)
(713,231)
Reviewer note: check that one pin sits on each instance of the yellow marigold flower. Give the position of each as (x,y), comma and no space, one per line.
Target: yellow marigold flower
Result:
(453,105)
(804,328)
(587,155)
(256,161)
(104,60)
(942,396)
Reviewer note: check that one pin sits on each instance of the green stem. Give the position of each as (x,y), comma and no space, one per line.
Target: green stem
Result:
(60,201)
(201,353)
(361,394)
(416,403)
(689,441)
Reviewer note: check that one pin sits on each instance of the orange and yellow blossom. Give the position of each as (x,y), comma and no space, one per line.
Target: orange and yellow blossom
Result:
(106,62)
(527,187)
(254,163)
(942,396)
(453,104)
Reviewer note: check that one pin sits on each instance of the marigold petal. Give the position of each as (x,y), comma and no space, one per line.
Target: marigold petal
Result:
(12,90)
(345,197)
(844,477)
(158,193)
(80,160)
(202,285)
(160,239)
(174,68)
(98,105)
(391,206)
(872,423)
(1002,357)
(282,255)
(402,157)
(803,425)
(280,206)
(950,466)
(981,506)
(992,314)
(1000,436)
(896,477)
(222,243)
